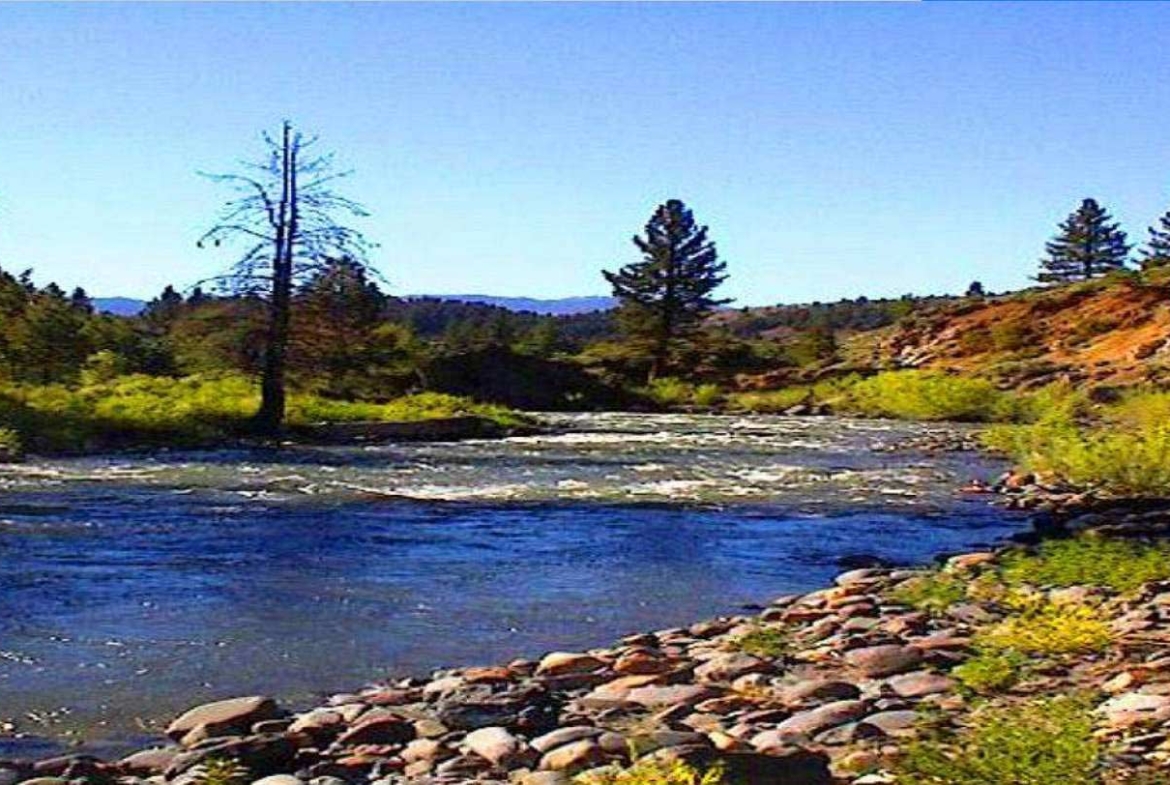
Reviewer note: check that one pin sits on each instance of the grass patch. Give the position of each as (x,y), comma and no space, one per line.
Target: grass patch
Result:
(933,592)
(305,410)
(1119,565)
(1045,742)
(768,642)
(991,671)
(144,411)
(652,771)
(1045,628)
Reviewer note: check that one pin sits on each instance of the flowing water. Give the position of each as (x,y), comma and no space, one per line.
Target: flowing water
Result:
(134,586)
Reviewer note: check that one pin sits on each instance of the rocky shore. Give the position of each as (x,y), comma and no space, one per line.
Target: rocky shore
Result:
(824,688)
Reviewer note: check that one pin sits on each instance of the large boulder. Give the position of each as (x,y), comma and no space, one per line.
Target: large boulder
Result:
(224,718)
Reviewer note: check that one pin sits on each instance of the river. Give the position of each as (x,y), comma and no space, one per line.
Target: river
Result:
(134,586)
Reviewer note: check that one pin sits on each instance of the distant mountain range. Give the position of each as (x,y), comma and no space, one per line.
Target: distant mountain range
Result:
(560,307)
(122,306)
(128,306)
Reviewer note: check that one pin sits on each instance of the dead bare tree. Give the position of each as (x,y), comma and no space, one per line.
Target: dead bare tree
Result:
(286,215)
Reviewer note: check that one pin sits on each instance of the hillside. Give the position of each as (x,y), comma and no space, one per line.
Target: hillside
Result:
(1112,331)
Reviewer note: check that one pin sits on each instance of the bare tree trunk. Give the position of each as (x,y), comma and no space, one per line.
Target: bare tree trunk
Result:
(270,417)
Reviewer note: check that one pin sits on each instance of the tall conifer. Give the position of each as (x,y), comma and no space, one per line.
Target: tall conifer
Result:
(664,297)
(1089,245)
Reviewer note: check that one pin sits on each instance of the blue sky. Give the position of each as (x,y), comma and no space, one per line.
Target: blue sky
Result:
(834,149)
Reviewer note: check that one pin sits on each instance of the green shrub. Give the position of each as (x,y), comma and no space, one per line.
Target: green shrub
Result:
(991,671)
(1011,336)
(923,395)
(11,445)
(1139,410)
(653,771)
(1041,627)
(1123,448)
(768,401)
(707,395)
(1045,742)
(219,771)
(769,642)
(976,341)
(1093,561)
(671,391)
(933,592)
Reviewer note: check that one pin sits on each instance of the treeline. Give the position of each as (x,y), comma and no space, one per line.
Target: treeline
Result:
(348,337)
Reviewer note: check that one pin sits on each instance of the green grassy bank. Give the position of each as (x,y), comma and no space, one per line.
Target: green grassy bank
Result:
(150,411)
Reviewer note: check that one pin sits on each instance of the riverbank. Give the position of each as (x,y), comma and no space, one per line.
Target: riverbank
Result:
(834,686)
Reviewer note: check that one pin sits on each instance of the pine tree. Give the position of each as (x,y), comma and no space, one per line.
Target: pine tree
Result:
(334,317)
(1157,250)
(1089,244)
(665,296)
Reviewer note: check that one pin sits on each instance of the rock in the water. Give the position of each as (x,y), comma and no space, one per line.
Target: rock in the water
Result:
(224,718)
(884,660)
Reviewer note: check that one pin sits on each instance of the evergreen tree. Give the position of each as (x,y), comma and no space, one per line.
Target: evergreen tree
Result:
(80,300)
(1089,244)
(49,339)
(665,296)
(1157,250)
(334,317)
(976,289)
